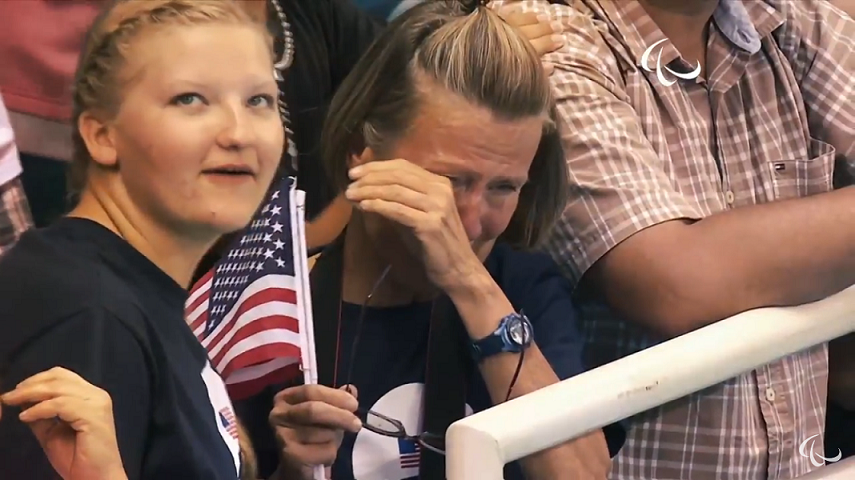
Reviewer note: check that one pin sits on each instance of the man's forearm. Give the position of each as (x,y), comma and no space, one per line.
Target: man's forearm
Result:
(676,277)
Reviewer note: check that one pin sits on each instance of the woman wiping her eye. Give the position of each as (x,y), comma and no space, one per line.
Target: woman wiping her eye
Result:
(444,141)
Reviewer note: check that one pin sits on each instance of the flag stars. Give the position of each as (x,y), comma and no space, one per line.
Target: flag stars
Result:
(264,248)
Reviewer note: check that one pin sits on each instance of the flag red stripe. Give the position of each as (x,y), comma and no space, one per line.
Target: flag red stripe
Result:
(202,281)
(273,322)
(260,354)
(264,296)
(199,321)
(240,391)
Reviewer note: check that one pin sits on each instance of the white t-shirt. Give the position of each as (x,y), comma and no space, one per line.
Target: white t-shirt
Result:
(10,164)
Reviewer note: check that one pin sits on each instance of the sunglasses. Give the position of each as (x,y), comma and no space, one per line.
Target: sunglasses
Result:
(377,422)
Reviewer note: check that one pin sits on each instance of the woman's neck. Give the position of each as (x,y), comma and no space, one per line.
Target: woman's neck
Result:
(363,267)
(177,257)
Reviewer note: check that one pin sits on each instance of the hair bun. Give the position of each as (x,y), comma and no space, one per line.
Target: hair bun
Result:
(470,6)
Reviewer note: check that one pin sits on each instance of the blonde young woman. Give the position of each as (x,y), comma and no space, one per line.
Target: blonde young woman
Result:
(174,148)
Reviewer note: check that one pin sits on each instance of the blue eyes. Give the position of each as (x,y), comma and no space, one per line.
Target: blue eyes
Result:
(194,99)
(186,99)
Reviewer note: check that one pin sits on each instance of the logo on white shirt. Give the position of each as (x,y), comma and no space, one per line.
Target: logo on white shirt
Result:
(222,412)
(376,457)
(645,64)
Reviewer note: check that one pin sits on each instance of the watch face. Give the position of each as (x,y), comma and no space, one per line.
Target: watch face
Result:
(518,331)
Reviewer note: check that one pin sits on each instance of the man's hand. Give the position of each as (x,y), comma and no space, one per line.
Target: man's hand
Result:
(544,35)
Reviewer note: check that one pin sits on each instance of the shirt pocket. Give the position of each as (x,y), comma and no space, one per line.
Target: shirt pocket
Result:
(800,178)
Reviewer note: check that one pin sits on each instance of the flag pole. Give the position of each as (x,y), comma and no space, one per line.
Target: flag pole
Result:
(308,362)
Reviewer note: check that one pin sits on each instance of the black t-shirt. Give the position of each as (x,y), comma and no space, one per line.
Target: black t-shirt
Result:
(329,38)
(390,367)
(78,296)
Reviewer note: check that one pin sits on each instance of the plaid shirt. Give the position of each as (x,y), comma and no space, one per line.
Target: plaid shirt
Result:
(639,152)
(14,213)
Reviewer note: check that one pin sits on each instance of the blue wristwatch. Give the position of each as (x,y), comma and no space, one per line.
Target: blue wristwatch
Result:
(513,335)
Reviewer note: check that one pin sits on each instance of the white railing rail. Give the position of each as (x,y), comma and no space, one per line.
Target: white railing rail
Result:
(480,445)
(844,470)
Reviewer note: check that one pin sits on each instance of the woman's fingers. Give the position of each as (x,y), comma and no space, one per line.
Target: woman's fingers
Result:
(396,172)
(378,184)
(67,409)
(34,393)
(314,454)
(391,193)
(320,414)
(351,389)
(313,435)
(543,34)
(397,212)
(319,393)
(547,44)
(49,384)
(51,388)
(512,13)
(52,375)
(316,406)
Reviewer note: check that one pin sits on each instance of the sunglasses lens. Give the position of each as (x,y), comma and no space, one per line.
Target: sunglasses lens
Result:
(379,424)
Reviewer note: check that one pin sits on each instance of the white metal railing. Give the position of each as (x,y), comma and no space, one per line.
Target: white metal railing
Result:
(844,470)
(479,446)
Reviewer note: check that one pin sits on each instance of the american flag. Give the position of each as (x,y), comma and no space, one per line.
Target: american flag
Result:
(227,419)
(244,311)
(410,453)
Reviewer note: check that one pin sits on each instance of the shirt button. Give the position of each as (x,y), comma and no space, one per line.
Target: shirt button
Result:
(729,197)
(770,394)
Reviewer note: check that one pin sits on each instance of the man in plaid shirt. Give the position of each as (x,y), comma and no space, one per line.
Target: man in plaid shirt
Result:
(704,142)
(14,212)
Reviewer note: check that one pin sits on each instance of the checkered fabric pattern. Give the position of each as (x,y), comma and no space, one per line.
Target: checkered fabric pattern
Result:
(14,213)
(640,152)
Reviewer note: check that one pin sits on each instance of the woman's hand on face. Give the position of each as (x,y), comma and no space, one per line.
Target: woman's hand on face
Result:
(310,420)
(73,422)
(424,203)
(544,35)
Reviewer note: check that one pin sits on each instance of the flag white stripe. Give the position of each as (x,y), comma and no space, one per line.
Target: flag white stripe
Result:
(257,371)
(262,311)
(265,337)
(194,295)
(263,283)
